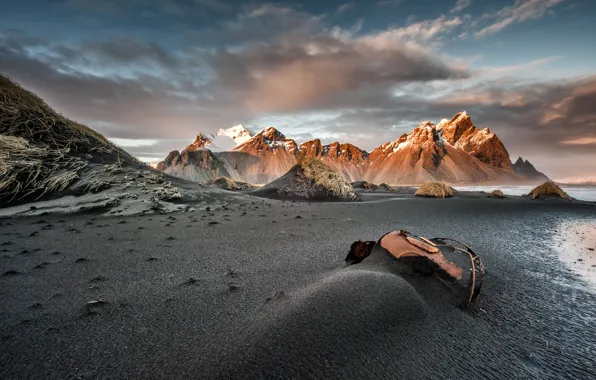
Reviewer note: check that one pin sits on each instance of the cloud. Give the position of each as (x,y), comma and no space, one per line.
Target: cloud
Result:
(522,66)
(132,88)
(423,32)
(460,5)
(345,7)
(520,11)
(581,141)
(291,75)
(133,143)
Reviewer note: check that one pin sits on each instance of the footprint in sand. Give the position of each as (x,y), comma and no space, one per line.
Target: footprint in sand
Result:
(93,307)
(231,273)
(190,282)
(41,265)
(81,260)
(11,273)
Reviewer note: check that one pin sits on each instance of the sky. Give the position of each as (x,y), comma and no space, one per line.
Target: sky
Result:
(152,74)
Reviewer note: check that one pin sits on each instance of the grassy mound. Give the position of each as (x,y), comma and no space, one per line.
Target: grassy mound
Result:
(435,190)
(41,151)
(548,190)
(322,175)
(310,180)
(496,194)
(229,184)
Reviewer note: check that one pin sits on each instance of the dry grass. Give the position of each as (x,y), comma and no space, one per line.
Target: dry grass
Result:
(24,114)
(106,170)
(548,189)
(435,190)
(496,194)
(41,151)
(322,175)
(26,169)
(167,193)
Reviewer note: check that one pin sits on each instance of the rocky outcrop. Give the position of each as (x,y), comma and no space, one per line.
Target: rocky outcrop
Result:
(526,169)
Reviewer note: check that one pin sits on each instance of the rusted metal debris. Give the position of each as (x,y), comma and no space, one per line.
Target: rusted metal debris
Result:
(452,261)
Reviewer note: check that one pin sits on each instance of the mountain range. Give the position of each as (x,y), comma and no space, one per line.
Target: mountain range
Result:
(454,151)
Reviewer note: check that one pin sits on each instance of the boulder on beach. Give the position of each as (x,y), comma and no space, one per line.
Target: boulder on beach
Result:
(435,190)
(498,194)
(548,190)
(310,179)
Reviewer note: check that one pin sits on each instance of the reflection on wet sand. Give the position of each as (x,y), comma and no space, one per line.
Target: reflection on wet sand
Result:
(577,246)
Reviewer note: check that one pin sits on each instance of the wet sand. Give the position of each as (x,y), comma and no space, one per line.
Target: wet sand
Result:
(258,290)
(577,246)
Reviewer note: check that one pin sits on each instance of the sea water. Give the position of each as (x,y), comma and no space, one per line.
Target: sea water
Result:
(584,193)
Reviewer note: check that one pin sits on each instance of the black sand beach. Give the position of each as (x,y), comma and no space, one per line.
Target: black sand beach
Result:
(258,290)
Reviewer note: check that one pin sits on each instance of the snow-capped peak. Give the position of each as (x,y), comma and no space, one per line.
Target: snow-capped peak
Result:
(237,133)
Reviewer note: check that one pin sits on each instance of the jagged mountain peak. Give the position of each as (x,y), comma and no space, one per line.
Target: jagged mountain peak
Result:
(526,169)
(454,150)
(425,132)
(202,141)
(453,130)
(272,134)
